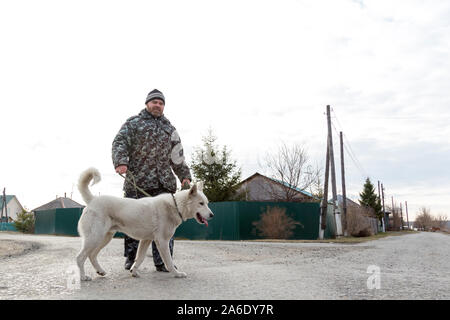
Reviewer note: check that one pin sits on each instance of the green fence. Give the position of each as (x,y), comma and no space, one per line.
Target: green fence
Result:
(235,221)
(63,221)
(232,221)
(7,226)
(57,221)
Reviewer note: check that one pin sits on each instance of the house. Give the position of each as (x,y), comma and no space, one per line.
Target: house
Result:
(58,203)
(13,207)
(356,209)
(259,187)
(59,216)
(349,203)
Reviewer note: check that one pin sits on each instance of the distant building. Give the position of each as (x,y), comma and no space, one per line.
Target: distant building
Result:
(355,208)
(349,203)
(13,207)
(59,203)
(258,187)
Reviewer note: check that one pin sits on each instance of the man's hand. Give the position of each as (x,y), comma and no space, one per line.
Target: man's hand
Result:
(121,169)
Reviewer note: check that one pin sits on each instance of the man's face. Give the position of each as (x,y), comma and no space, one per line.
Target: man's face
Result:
(155,107)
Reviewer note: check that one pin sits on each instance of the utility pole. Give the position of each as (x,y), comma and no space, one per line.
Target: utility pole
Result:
(344,193)
(336,212)
(4,207)
(393,211)
(379,197)
(407,218)
(401,215)
(324,205)
(384,211)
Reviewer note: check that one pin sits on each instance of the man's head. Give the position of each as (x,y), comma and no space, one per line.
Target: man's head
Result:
(155,103)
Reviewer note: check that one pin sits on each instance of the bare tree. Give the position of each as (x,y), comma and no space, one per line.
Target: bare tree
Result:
(440,221)
(397,220)
(424,220)
(289,165)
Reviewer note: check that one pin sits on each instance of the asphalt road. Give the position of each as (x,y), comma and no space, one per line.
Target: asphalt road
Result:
(413,266)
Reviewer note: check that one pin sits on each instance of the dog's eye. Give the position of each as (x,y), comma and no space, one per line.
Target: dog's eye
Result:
(202,203)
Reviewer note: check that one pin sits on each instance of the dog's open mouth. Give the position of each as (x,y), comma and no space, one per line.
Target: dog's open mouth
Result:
(201,219)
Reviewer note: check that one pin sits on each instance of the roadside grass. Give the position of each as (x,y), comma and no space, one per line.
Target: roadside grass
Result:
(348,240)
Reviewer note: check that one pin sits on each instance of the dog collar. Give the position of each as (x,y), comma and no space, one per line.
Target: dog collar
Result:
(176,206)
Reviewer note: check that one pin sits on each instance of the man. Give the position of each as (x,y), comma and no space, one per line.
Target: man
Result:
(147,147)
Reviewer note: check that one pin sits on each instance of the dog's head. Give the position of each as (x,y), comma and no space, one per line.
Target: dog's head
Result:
(198,204)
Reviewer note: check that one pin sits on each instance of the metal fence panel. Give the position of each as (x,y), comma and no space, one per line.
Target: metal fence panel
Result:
(66,221)
(234,220)
(224,225)
(7,226)
(45,222)
(307,214)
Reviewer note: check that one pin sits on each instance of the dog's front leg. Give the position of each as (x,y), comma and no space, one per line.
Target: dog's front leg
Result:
(163,248)
(142,249)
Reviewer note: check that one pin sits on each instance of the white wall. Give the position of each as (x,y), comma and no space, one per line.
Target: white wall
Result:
(14,208)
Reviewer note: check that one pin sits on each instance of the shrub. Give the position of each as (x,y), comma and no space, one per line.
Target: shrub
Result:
(358,223)
(276,224)
(24,222)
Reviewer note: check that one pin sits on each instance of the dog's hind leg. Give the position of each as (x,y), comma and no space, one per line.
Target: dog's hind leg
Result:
(163,248)
(142,249)
(94,253)
(91,241)
(81,258)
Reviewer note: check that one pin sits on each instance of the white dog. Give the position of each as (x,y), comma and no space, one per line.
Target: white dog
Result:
(146,219)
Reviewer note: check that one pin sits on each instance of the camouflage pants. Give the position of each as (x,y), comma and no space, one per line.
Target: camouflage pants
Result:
(131,245)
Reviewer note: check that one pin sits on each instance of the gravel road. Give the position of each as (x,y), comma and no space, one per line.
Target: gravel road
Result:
(413,266)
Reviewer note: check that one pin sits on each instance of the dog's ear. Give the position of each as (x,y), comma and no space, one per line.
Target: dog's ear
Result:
(200,186)
(193,191)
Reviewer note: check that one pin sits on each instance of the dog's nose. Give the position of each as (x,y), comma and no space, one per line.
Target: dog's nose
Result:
(211,215)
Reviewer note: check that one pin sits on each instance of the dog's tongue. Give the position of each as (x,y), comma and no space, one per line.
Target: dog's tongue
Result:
(205,222)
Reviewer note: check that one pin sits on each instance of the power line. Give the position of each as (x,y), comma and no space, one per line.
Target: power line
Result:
(348,142)
(352,156)
(349,150)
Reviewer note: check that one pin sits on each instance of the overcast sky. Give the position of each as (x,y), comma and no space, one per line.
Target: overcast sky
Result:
(256,72)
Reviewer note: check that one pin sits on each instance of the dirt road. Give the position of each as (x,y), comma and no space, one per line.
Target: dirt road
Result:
(413,266)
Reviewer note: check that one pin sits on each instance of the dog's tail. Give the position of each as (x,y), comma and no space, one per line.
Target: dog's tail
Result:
(83,183)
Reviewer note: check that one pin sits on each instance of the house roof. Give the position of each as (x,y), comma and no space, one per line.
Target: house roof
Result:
(59,203)
(279,182)
(8,199)
(340,199)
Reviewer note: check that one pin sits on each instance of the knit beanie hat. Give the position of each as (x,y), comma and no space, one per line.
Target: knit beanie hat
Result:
(155,94)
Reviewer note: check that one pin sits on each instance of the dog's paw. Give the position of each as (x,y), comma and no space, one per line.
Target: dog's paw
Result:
(180,275)
(85,278)
(134,274)
(102,273)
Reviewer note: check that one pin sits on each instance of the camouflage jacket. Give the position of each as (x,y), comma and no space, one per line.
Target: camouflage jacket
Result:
(150,147)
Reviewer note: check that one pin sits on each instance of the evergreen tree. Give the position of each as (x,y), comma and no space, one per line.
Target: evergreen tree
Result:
(369,199)
(216,169)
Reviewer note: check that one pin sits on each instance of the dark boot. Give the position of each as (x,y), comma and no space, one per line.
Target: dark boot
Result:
(129,263)
(131,246)
(161,268)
